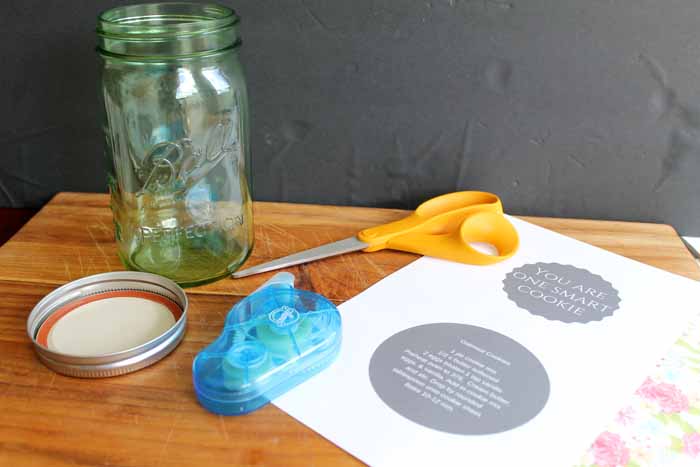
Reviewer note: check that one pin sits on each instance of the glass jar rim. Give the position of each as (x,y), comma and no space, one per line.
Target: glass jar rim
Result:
(169,30)
(165,19)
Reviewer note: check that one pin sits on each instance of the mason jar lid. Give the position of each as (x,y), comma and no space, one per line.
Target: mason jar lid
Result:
(108,324)
(166,30)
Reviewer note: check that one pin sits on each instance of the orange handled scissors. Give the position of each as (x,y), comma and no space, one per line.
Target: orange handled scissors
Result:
(442,227)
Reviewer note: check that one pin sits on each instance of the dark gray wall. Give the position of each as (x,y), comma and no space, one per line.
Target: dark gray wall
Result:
(563,107)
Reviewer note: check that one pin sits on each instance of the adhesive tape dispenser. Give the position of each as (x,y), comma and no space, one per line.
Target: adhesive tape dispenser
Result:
(272,340)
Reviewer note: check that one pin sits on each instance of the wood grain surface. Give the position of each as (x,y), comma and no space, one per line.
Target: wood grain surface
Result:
(151,417)
(72,236)
(148,418)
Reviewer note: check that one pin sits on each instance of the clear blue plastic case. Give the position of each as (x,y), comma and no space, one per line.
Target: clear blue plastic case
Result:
(273,340)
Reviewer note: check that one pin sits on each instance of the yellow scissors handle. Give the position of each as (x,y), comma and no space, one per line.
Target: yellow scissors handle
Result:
(444,227)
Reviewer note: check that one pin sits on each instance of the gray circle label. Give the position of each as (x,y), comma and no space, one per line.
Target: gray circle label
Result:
(459,378)
(561,292)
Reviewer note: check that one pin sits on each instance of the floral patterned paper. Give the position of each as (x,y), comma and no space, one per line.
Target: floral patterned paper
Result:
(661,424)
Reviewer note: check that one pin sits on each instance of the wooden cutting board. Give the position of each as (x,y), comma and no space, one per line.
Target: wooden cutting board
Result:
(151,417)
(73,236)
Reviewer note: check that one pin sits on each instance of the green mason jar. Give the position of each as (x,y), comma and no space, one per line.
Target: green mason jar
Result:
(177,132)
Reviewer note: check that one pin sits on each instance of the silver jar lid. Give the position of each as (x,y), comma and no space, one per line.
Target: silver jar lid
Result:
(91,290)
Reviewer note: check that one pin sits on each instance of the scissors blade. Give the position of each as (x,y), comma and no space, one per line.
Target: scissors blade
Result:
(324,251)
